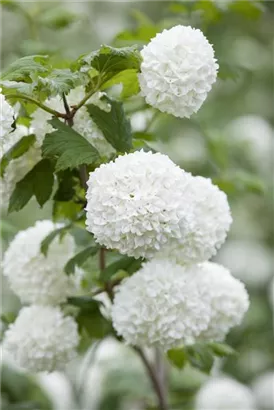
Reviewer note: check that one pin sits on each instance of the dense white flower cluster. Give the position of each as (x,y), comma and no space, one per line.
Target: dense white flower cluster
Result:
(19,167)
(36,278)
(83,123)
(159,305)
(41,338)
(208,221)
(224,393)
(263,389)
(142,203)
(226,296)
(6,116)
(170,305)
(178,70)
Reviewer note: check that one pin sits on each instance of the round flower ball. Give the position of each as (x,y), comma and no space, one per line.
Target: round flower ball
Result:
(6,116)
(34,277)
(205,229)
(225,296)
(41,339)
(224,393)
(133,202)
(159,306)
(177,71)
(19,167)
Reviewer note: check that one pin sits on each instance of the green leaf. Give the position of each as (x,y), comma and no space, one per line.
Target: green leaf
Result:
(80,258)
(200,357)
(65,210)
(16,151)
(25,68)
(126,263)
(240,182)
(38,182)
(59,81)
(51,236)
(221,349)
(57,18)
(128,79)
(249,8)
(108,61)
(67,184)
(114,125)
(90,317)
(68,146)
(177,357)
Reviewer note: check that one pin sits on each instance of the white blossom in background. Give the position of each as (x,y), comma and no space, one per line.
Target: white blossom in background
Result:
(225,295)
(263,389)
(132,203)
(6,117)
(142,203)
(249,260)
(19,167)
(209,220)
(83,123)
(178,70)
(41,339)
(255,136)
(36,278)
(57,386)
(224,393)
(140,120)
(160,306)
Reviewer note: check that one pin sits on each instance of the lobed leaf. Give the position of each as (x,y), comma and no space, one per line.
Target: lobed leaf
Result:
(37,182)
(114,125)
(70,148)
(25,68)
(16,151)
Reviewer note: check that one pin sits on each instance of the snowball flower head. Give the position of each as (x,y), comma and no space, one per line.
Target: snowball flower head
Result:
(6,116)
(159,306)
(142,203)
(132,203)
(36,278)
(178,70)
(225,295)
(82,122)
(224,394)
(41,339)
(19,167)
(208,221)
(263,389)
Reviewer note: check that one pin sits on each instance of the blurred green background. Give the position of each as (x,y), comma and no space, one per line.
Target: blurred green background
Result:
(229,140)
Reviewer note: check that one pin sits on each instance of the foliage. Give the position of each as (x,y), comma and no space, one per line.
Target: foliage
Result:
(57,179)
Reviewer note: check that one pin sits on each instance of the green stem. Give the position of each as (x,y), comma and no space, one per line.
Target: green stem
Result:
(38,103)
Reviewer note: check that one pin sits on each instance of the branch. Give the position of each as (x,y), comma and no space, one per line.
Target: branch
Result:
(75,108)
(38,103)
(154,380)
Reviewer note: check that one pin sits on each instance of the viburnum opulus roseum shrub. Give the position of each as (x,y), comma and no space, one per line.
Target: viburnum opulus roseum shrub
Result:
(146,218)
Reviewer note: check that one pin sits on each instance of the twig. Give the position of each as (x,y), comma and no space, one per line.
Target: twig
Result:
(69,116)
(154,380)
(38,103)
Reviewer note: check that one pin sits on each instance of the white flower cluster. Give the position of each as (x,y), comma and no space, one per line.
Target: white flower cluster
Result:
(41,338)
(178,70)
(143,203)
(224,393)
(168,305)
(6,116)
(34,277)
(83,123)
(19,167)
